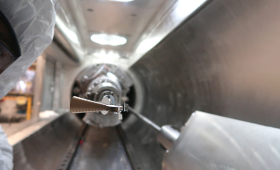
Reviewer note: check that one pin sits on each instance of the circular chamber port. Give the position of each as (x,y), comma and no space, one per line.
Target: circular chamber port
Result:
(108,84)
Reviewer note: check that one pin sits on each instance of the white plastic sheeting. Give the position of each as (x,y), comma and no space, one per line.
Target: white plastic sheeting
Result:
(6,152)
(33,22)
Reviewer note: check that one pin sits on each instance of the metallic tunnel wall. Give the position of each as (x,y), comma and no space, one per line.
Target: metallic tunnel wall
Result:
(46,148)
(224,60)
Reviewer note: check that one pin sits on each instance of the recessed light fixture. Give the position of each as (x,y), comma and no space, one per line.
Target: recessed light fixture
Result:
(108,39)
(106,54)
(122,0)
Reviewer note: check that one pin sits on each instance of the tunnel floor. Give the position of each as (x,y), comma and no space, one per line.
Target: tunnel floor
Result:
(101,149)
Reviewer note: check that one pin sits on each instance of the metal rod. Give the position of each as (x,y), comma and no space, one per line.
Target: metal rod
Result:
(144,119)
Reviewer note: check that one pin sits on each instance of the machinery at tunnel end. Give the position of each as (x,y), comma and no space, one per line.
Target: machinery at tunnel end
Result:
(107,84)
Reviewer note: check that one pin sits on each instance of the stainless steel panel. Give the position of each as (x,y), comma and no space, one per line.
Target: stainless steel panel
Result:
(166,136)
(56,52)
(102,149)
(45,148)
(40,69)
(171,14)
(210,142)
(223,60)
(48,86)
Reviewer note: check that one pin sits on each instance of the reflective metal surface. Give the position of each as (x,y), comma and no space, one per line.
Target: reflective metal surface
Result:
(38,89)
(52,146)
(210,142)
(144,119)
(102,149)
(223,60)
(168,136)
(81,105)
(48,88)
(166,20)
(102,83)
(44,149)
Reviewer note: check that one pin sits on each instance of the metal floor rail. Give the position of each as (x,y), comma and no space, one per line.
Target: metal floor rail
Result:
(67,144)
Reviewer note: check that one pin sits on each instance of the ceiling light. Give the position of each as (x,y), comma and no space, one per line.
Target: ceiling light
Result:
(187,7)
(107,39)
(105,54)
(122,0)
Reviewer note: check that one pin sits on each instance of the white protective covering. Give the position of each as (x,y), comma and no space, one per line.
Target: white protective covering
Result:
(6,152)
(33,22)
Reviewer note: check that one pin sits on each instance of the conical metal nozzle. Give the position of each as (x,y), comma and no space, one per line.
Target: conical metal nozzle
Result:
(81,105)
